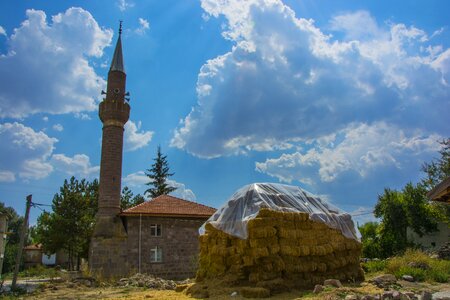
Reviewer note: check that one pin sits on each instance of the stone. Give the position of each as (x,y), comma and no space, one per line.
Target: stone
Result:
(386,295)
(408,278)
(443,295)
(426,295)
(396,295)
(351,297)
(333,282)
(318,289)
(367,297)
(383,280)
(418,265)
(234,294)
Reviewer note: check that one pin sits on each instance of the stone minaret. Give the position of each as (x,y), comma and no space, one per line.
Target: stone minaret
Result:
(107,256)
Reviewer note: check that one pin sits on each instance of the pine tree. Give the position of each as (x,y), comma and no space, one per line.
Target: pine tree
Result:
(158,174)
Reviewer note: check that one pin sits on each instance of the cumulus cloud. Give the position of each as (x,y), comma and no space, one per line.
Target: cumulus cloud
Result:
(144,25)
(79,165)
(285,80)
(2,31)
(133,138)
(123,5)
(139,180)
(359,149)
(25,153)
(46,66)
(58,127)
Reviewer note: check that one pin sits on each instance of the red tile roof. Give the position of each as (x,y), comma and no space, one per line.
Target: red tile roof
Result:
(33,247)
(169,206)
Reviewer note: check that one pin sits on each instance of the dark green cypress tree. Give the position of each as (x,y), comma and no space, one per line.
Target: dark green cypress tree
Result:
(158,174)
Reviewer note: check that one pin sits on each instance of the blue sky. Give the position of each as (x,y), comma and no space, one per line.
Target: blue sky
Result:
(341,98)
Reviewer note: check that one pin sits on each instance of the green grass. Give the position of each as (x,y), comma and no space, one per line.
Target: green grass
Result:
(438,271)
(36,272)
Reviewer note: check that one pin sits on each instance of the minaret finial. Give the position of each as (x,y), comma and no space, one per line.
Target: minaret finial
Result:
(120,26)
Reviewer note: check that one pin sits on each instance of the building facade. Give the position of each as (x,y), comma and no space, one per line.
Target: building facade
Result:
(163,236)
(159,236)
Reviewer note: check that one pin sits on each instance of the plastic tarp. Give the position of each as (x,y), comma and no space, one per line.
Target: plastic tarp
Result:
(245,204)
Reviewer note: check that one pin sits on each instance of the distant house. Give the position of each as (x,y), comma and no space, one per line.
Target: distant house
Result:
(162,236)
(34,255)
(434,240)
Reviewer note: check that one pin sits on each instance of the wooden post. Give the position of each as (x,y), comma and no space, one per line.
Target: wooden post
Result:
(3,231)
(21,242)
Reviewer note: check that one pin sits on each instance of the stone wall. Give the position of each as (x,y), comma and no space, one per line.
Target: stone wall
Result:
(179,244)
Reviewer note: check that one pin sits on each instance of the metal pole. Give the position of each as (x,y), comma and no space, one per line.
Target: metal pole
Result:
(22,242)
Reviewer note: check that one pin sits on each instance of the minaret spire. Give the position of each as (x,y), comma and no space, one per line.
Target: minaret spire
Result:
(117,61)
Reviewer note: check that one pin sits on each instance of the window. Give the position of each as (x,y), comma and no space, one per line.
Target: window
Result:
(155,230)
(156,254)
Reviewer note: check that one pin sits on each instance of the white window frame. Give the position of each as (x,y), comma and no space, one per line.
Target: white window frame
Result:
(156,255)
(154,227)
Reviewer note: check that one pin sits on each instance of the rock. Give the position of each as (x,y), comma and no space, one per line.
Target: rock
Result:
(181,287)
(396,295)
(351,297)
(418,265)
(318,289)
(444,295)
(384,280)
(386,295)
(255,292)
(411,295)
(233,294)
(333,282)
(367,297)
(426,295)
(70,285)
(408,278)
(198,291)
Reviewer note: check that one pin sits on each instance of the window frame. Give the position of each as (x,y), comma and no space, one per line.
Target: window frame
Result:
(154,255)
(155,227)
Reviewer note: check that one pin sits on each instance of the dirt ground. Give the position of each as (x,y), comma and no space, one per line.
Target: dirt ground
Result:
(62,291)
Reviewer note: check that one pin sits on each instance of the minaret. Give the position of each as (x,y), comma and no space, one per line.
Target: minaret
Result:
(107,256)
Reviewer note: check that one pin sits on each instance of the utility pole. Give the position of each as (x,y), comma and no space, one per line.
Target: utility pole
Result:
(3,232)
(21,242)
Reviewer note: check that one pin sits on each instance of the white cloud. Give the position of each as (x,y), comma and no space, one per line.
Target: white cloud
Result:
(2,31)
(58,127)
(7,176)
(138,181)
(133,138)
(51,72)
(181,191)
(82,116)
(359,149)
(285,80)
(144,25)
(124,5)
(24,152)
(79,165)
(45,119)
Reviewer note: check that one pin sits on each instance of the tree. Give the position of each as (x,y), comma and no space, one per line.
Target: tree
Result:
(127,200)
(438,169)
(158,174)
(370,240)
(12,239)
(70,225)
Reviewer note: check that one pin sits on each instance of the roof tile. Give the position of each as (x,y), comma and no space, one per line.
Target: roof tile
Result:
(166,205)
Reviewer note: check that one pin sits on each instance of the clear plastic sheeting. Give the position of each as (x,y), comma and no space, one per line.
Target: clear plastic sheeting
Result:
(245,204)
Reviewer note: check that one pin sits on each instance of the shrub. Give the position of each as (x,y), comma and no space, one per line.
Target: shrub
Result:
(374,266)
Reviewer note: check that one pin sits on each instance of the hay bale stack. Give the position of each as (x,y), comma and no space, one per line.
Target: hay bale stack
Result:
(280,245)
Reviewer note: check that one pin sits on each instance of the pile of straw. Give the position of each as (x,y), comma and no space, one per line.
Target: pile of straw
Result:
(280,245)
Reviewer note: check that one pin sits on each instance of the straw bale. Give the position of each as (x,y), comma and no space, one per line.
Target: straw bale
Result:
(266,242)
(274,249)
(274,286)
(259,252)
(287,233)
(233,260)
(247,260)
(262,232)
(255,292)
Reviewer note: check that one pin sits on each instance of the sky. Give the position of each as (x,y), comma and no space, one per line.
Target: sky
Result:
(341,98)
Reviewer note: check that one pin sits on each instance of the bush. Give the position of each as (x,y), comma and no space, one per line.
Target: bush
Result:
(374,266)
(418,274)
